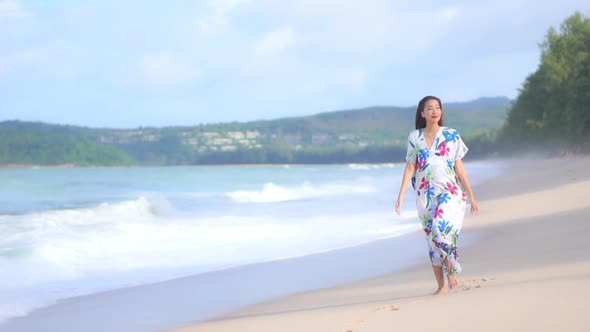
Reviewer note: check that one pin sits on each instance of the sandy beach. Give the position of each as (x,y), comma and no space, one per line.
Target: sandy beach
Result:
(529,270)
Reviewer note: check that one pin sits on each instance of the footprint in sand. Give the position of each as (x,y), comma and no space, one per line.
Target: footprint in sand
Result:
(352,324)
(464,285)
(474,283)
(355,323)
(387,307)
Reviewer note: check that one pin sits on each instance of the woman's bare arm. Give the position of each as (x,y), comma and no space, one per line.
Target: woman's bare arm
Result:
(462,174)
(408,173)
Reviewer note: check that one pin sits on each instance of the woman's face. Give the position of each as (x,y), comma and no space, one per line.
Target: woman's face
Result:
(432,111)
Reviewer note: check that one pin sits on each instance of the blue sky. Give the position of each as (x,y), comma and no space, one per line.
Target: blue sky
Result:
(135,63)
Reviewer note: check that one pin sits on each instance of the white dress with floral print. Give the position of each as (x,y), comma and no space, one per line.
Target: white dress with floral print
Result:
(440,199)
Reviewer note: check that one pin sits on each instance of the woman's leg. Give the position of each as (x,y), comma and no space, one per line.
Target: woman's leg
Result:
(440,280)
(444,241)
(436,256)
(453,281)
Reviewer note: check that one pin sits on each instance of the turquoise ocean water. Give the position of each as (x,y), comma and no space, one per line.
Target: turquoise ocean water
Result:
(66,232)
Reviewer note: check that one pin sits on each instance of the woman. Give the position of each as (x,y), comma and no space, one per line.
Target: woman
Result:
(437,173)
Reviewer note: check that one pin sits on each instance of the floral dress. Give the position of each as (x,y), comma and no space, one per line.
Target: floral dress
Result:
(441,198)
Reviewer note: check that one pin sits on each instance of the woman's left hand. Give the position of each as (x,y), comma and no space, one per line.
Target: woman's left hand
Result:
(474,206)
(398,205)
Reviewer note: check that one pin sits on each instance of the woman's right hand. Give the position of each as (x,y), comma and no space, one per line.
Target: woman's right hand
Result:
(398,205)
(408,173)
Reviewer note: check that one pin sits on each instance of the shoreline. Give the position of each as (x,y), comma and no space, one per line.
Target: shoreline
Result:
(79,311)
(518,210)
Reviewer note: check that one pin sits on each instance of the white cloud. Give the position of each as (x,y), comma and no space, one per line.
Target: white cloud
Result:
(219,20)
(449,13)
(225,6)
(351,80)
(162,70)
(11,8)
(215,23)
(355,79)
(353,26)
(260,55)
(32,61)
(275,42)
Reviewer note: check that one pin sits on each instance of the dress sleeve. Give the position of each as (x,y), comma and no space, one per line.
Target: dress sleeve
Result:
(411,151)
(460,149)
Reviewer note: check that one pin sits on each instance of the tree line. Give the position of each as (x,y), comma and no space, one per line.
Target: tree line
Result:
(50,148)
(552,110)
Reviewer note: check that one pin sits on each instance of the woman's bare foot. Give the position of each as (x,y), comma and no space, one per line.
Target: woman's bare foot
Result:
(440,291)
(453,281)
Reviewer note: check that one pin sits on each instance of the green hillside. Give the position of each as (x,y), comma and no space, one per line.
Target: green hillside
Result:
(397,121)
(52,147)
(375,134)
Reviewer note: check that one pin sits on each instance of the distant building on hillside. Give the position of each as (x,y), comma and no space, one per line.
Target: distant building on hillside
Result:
(221,141)
(321,138)
(252,134)
(209,134)
(236,134)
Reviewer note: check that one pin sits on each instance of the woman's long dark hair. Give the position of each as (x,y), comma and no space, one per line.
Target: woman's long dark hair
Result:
(420,121)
